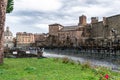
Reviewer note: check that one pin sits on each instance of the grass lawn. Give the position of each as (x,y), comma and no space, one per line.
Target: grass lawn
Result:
(51,69)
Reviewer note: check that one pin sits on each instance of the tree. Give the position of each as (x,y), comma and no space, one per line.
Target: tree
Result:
(9,8)
(6,6)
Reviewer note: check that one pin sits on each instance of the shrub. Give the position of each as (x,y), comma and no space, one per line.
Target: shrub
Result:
(56,59)
(86,65)
(65,60)
(2,71)
(72,62)
(30,69)
(79,63)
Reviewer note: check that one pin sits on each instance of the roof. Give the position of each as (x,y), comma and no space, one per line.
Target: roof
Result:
(69,28)
(55,24)
(23,33)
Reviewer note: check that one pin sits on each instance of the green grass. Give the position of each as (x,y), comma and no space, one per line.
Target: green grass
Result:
(50,69)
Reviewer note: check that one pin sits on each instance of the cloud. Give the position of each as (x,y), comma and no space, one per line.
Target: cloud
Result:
(40,5)
(42,27)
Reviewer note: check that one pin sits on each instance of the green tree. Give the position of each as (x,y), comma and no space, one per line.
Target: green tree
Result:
(9,8)
(6,6)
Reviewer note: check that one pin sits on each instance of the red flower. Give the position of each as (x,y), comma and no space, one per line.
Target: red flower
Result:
(106,76)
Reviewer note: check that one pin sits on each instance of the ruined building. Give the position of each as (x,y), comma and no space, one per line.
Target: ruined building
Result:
(67,35)
(40,39)
(96,33)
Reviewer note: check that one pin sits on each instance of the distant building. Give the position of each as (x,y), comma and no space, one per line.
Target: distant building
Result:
(68,35)
(24,39)
(8,38)
(94,33)
(54,29)
(40,39)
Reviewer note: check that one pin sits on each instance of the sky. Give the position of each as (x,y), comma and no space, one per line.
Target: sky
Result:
(34,16)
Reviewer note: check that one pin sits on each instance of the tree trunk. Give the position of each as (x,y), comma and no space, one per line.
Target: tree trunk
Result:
(3,4)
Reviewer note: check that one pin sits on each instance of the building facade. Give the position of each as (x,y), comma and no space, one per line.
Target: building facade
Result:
(24,39)
(8,38)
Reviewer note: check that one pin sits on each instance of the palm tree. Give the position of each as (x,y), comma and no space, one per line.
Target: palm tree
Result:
(6,6)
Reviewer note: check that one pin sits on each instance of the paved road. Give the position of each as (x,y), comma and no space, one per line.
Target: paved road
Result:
(94,62)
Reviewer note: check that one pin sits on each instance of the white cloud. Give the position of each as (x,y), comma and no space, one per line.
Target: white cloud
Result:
(97,10)
(42,26)
(40,5)
(76,9)
(13,19)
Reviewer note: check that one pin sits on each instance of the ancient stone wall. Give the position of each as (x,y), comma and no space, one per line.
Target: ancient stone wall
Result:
(97,29)
(101,30)
(114,22)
